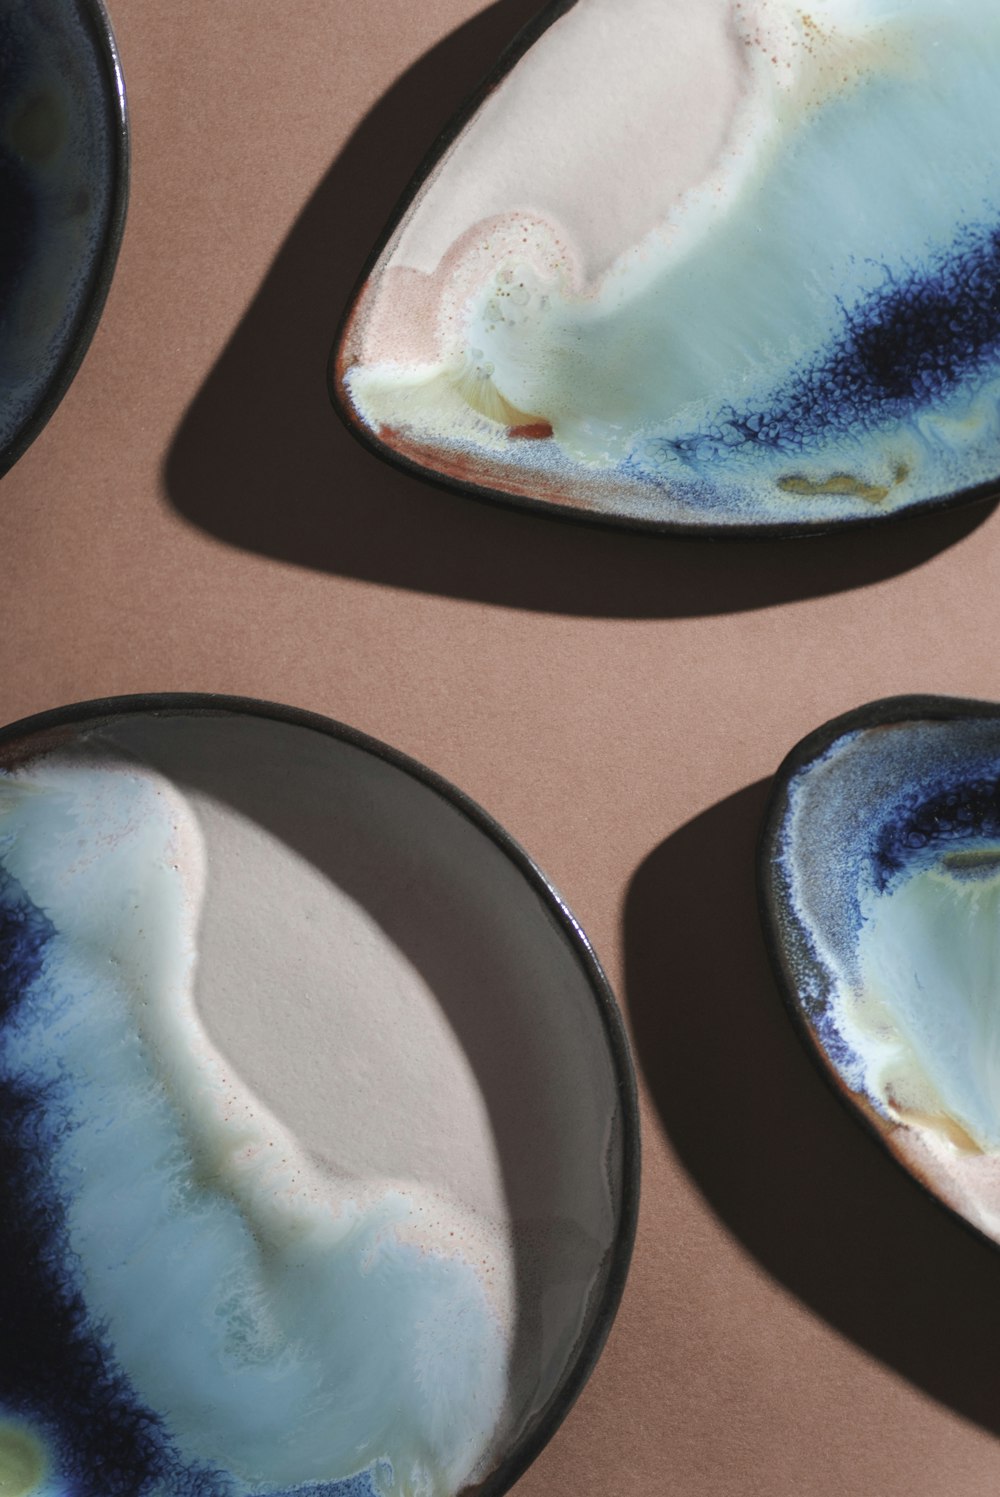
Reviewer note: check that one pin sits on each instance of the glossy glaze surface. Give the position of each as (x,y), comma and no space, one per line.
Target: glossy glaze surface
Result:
(882,886)
(704,264)
(315,1176)
(62,189)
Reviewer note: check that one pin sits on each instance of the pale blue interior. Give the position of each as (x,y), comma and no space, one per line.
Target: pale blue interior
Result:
(893,930)
(281,1349)
(822,342)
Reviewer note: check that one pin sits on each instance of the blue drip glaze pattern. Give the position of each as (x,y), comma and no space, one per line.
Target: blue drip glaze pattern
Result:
(58,1374)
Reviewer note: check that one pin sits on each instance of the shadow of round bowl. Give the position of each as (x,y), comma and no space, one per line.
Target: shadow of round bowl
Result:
(64,167)
(319,1117)
(879,880)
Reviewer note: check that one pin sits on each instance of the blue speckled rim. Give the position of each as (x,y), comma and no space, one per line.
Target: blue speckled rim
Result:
(764,530)
(772,893)
(96,17)
(21,738)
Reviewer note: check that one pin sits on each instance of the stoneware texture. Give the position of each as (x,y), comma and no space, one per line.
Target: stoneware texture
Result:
(63,191)
(701,265)
(879,886)
(800,1320)
(320,1143)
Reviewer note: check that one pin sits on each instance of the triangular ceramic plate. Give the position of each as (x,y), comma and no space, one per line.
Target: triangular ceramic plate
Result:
(880,893)
(702,265)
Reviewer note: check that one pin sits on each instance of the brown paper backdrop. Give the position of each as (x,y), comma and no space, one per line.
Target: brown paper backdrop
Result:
(798,1320)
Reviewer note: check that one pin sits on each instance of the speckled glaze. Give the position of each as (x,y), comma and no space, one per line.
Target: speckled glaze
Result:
(318,1123)
(880,895)
(63,193)
(713,266)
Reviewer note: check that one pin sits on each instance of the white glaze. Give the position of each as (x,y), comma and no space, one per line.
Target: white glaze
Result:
(368,1238)
(628,264)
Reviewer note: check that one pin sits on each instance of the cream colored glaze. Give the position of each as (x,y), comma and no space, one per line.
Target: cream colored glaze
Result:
(574,191)
(386,997)
(606,175)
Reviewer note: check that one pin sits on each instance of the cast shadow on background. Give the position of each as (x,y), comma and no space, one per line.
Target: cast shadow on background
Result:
(776,1154)
(261,461)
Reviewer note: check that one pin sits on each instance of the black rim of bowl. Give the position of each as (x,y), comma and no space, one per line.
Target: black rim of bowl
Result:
(772,898)
(85,325)
(20,736)
(779,530)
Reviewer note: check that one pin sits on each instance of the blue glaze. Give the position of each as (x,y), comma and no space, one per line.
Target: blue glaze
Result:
(958,811)
(57,1373)
(906,345)
(887,859)
(812,335)
(171,1329)
(60,159)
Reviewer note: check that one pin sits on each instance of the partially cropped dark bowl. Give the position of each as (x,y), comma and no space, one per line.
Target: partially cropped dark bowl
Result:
(64,168)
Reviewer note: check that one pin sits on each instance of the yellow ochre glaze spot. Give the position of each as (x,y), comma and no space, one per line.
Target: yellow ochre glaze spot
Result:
(843,483)
(939,1122)
(973,860)
(23,1462)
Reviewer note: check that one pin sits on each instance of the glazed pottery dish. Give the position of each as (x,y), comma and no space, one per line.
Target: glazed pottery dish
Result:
(63,189)
(702,265)
(880,884)
(318,1121)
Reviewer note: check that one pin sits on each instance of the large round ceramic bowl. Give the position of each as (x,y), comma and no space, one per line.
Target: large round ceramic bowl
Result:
(63,191)
(318,1120)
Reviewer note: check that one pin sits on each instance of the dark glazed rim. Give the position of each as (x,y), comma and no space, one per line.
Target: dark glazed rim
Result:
(773,903)
(154,704)
(764,530)
(96,17)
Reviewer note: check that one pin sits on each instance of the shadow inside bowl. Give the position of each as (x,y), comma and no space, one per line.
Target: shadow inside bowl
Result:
(404,1007)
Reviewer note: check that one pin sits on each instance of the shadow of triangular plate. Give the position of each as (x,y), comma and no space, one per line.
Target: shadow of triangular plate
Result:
(710,266)
(879,878)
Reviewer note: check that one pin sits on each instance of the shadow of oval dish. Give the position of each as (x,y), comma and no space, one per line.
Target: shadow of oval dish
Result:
(818,1203)
(723,308)
(318,1121)
(64,163)
(879,880)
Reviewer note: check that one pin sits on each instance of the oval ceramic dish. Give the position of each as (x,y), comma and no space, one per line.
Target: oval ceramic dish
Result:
(706,266)
(880,894)
(63,192)
(318,1121)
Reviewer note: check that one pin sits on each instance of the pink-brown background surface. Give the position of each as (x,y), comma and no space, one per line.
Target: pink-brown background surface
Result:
(799,1319)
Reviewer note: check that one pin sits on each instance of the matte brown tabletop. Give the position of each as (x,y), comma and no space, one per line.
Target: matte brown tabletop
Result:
(799,1319)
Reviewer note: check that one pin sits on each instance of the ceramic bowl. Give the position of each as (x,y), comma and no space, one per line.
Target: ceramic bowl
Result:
(63,191)
(705,266)
(880,894)
(318,1117)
